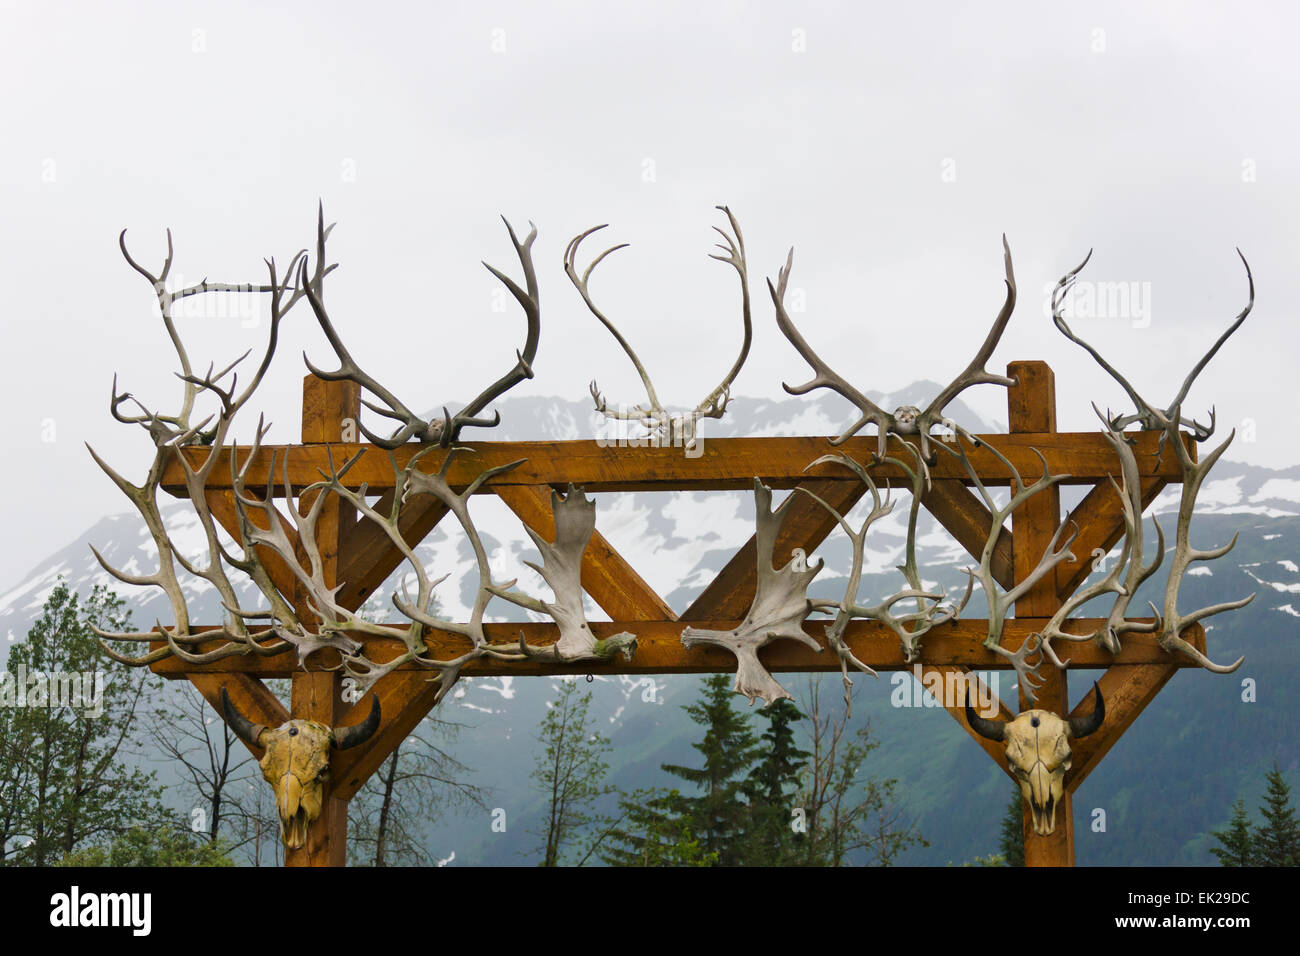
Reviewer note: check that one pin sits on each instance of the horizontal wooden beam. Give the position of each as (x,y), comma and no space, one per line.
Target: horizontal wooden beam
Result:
(660,651)
(724,463)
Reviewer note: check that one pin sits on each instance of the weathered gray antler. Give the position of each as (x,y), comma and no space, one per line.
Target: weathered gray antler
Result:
(778,610)
(561,569)
(669,429)
(1147,415)
(907,420)
(169,432)
(910,627)
(1000,602)
(446,430)
(1169,422)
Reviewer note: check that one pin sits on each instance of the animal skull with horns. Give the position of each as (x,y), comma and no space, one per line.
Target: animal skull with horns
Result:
(1038,752)
(297,762)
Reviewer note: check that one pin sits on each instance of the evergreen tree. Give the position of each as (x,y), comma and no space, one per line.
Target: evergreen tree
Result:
(140,847)
(1237,845)
(66,781)
(654,829)
(770,840)
(1012,837)
(570,771)
(718,815)
(1277,842)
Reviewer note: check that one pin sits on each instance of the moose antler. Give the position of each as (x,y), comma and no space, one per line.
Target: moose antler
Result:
(1148,416)
(669,429)
(779,607)
(561,569)
(446,431)
(907,420)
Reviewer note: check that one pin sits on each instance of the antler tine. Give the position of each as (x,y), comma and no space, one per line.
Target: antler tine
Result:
(1202,432)
(825,376)
(581,284)
(1058,303)
(715,403)
(349,370)
(975,373)
(530,302)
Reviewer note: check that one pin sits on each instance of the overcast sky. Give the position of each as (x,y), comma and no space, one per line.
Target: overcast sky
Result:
(891,144)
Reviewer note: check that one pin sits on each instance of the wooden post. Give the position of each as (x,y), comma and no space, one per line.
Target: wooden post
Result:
(1031,407)
(316,695)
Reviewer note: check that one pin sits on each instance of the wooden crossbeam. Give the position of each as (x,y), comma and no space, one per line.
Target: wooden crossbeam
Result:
(659,650)
(1127,689)
(805,525)
(1100,520)
(969,520)
(367,557)
(725,463)
(606,576)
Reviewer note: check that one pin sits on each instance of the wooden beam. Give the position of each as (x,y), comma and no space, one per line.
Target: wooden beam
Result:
(606,576)
(725,463)
(969,520)
(367,557)
(660,651)
(993,748)
(805,525)
(1031,407)
(316,695)
(1127,689)
(1100,520)
(405,698)
(249,695)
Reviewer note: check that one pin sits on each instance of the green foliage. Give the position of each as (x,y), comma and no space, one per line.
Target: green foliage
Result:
(653,829)
(720,813)
(65,782)
(1236,846)
(570,772)
(143,847)
(1012,834)
(770,839)
(1277,842)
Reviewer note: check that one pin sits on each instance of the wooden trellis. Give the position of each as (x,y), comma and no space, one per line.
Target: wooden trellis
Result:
(357,555)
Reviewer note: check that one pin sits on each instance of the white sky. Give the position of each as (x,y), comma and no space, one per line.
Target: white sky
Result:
(1163,135)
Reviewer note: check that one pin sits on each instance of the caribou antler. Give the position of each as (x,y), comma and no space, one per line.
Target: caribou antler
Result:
(1000,602)
(1148,416)
(908,419)
(447,430)
(910,627)
(669,429)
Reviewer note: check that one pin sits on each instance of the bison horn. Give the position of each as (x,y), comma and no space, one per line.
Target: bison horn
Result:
(1083,726)
(247,731)
(345,737)
(992,729)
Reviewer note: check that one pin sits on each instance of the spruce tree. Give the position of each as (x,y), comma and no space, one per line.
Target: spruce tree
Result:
(654,829)
(1237,845)
(770,839)
(1012,841)
(1277,842)
(719,813)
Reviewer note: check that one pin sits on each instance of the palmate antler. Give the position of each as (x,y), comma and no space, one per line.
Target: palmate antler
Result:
(1169,422)
(446,431)
(907,420)
(778,610)
(668,428)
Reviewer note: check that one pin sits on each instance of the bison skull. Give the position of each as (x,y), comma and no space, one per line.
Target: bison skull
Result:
(1038,752)
(296,762)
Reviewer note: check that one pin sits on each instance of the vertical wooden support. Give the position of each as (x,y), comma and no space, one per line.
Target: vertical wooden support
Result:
(1031,407)
(316,694)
